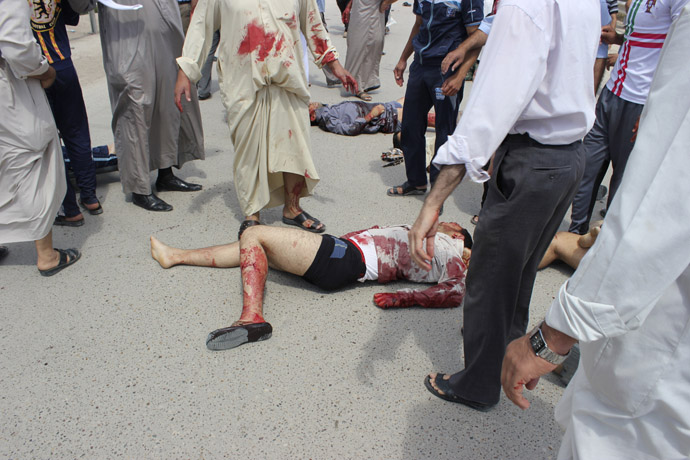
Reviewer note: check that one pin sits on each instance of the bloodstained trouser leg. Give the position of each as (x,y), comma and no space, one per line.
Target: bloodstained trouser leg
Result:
(528,196)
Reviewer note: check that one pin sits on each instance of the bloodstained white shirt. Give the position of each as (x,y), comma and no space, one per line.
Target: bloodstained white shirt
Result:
(535,77)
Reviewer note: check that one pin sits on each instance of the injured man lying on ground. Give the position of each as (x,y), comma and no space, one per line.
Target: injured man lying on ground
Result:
(351,118)
(330,263)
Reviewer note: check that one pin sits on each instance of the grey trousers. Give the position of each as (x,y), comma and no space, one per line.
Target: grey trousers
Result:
(204,84)
(609,140)
(529,194)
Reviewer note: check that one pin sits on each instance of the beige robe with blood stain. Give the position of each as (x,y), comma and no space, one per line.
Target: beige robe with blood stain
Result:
(263,87)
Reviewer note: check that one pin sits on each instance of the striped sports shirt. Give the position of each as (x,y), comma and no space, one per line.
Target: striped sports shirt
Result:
(646,26)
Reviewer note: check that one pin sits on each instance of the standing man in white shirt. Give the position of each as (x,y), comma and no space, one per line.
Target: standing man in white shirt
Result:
(532,103)
(628,304)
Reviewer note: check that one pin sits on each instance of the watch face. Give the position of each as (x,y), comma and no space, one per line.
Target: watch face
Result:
(537,342)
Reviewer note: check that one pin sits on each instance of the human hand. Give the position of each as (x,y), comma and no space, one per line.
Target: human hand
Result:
(452,85)
(453,60)
(375,112)
(398,71)
(611,60)
(346,13)
(522,368)
(385,4)
(182,87)
(390,300)
(349,82)
(47,78)
(635,129)
(609,35)
(425,227)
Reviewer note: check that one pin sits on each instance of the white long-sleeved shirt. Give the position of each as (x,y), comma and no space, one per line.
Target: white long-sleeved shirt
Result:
(535,78)
(628,303)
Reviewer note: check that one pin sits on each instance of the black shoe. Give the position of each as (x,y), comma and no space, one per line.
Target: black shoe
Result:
(4,250)
(203,97)
(175,184)
(150,202)
(234,336)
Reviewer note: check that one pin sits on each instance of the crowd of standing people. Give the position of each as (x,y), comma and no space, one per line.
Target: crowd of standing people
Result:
(533,130)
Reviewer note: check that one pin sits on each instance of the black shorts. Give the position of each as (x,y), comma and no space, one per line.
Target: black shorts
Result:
(338,263)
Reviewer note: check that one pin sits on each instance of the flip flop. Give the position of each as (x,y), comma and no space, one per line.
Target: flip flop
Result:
(63,222)
(245,225)
(299,220)
(407,190)
(95,211)
(67,258)
(364,96)
(450,395)
(234,336)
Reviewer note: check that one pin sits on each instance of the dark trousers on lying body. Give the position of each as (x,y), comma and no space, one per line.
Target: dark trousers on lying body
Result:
(420,97)
(529,193)
(67,103)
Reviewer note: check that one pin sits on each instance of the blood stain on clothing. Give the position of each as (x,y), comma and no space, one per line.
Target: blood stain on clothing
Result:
(290,133)
(292,22)
(306,174)
(320,44)
(257,39)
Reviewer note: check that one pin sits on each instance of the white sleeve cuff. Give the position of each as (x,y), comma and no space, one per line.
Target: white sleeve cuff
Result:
(190,68)
(454,152)
(584,320)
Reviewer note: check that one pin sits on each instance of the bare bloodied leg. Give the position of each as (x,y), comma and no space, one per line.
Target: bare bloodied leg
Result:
(294,186)
(224,256)
(285,249)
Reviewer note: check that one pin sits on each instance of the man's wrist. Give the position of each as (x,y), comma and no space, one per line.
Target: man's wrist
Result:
(556,340)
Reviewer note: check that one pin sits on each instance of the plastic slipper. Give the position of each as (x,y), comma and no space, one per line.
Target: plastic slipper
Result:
(234,336)
(245,225)
(407,190)
(93,212)
(299,219)
(63,222)
(364,96)
(449,395)
(67,258)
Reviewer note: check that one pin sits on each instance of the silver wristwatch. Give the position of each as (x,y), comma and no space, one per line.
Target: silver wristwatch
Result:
(541,349)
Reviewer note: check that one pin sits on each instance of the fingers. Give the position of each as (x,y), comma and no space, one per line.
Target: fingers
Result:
(514,393)
(447,61)
(178,101)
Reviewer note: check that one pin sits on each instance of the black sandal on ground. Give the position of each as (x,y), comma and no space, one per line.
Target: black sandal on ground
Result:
(449,395)
(67,258)
(299,219)
(407,190)
(234,336)
(94,211)
(245,225)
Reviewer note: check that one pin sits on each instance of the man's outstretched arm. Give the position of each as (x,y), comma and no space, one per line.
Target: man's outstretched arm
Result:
(443,295)
(427,222)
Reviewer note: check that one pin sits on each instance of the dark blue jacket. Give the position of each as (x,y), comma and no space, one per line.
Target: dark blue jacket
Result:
(443,27)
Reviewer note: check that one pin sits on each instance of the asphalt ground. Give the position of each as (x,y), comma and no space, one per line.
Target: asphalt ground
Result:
(108,358)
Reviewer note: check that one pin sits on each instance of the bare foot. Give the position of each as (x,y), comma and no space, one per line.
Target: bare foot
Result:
(587,241)
(432,380)
(161,253)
